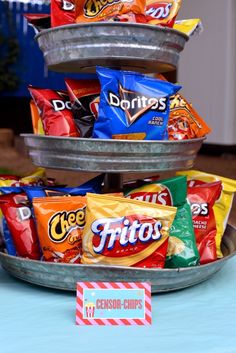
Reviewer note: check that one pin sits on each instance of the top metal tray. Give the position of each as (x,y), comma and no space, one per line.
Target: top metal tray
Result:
(111,156)
(129,46)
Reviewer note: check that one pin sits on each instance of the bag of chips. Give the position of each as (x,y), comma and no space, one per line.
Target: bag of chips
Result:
(222,205)
(189,27)
(62,12)
(60,222)
(37,178)
(125,232)
(164,13)
(21,225)
(182,249)
(38,21)
(55,111)
(202,199)
(84,97)
(36,119)
(132,106)
(107,10)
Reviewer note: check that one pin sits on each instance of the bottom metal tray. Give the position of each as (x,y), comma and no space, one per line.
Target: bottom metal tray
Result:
(65,276)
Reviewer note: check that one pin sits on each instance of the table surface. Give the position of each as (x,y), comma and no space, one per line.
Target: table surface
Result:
(199,319)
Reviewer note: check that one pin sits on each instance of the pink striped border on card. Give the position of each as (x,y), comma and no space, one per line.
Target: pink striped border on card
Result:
(90,307)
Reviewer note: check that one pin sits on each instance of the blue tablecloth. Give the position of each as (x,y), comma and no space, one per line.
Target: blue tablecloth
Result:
(195,320)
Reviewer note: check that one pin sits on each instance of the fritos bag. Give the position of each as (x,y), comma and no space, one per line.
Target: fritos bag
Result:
(60,222)
(202,199)
(222,206)
(182,249)
(162,12)
(55,111)
(105,10)
(126,232)
(62,12)
(84,97)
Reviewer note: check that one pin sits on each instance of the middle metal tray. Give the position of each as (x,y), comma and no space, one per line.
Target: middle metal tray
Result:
(111,156)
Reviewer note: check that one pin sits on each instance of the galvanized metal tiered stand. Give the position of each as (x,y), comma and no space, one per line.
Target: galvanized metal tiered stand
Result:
(143,48)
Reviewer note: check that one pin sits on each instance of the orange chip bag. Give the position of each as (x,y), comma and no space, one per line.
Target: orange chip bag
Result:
(36,119)
(105,10)
(184,122)
(162,12)
(60,222)
(125,232)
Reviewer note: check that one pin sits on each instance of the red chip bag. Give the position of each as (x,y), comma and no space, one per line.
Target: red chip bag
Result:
(62,12)
(84,96)
(202,199)
(55,111)
(21,225)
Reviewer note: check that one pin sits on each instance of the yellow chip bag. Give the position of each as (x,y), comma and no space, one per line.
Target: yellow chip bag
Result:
(125,232)
(224,203)
(189,27)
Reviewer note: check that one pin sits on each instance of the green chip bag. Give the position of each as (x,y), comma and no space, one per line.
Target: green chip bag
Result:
(182,249)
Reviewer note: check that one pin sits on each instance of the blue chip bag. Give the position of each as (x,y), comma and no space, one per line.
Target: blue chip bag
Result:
(10,246)
(92,186)
(132,106)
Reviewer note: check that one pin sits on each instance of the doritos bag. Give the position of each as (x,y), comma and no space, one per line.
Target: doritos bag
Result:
(182,249)
(55,111)
(125,232)
(202,199)
(162,12)
(132,106)
(84,97)
(222,206)
(62,12)
(60,222)
(21,225)
(106,10)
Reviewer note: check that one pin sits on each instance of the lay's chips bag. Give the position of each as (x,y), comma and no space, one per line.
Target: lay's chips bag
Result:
(182,249)
(222,206)
(132,106)
(126,232)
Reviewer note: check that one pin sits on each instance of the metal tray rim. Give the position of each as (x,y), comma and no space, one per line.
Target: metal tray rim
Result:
(81,139)
(110,24)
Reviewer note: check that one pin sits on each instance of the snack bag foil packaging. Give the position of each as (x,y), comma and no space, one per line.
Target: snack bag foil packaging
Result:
(37,178)
(21,225)
(84,97)
(126,232)
(182,249)
(132,106)
(162,12)
(38,21)
(36,119)
(60,222)
(55,111)
(189,27)
(106,10)
(202,198)
(62,12)
(184,122)
(222,206)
